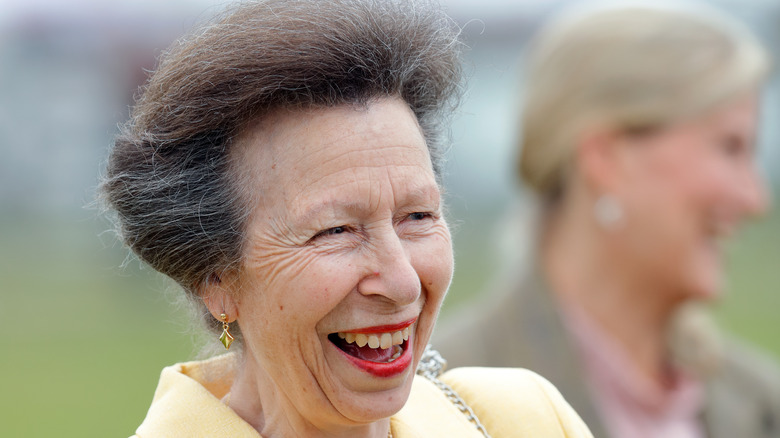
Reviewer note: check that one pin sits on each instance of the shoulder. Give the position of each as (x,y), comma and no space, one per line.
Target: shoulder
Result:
(429,413)
(516,402)
(186,403)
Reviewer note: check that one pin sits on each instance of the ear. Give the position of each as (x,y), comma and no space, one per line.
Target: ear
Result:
(218,295)
(599,159)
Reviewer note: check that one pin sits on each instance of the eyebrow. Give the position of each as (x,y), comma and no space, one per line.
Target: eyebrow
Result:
(419,195)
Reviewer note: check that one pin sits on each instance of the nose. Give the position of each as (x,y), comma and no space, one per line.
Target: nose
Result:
(390,273)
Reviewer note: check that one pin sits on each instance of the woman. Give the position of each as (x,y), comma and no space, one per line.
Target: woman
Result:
(638,132)
(281,165)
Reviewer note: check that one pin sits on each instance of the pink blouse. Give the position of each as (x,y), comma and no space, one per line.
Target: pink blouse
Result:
(631,405)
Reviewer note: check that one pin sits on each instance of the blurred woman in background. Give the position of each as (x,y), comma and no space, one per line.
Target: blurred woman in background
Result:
(638,141)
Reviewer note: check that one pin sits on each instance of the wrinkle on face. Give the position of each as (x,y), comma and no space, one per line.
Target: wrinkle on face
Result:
(366,171)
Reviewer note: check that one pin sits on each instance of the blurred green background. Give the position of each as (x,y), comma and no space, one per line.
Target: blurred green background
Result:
(86,329)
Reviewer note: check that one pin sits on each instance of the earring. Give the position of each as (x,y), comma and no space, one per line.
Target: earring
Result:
(608,212)
(226,338)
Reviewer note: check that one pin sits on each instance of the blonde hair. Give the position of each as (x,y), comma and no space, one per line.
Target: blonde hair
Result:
(628,68)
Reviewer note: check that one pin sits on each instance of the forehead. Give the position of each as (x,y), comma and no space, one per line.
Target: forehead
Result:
(299,152)
(736,119)
(740,113)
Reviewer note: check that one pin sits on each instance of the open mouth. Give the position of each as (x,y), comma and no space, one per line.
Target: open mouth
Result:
(383,351)
(383,347)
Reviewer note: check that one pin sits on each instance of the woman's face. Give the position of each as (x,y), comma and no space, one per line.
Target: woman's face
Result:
(347,248)
(685,189)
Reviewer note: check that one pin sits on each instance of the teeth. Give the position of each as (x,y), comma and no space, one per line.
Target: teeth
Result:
(361,339)
(377,340)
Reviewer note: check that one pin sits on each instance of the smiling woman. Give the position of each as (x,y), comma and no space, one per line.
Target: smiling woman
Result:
(347,238)
(282,166)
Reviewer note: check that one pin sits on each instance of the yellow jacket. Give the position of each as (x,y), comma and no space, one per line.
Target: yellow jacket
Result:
(509,402)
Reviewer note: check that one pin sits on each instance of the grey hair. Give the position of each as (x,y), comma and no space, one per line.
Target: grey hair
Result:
(178,198)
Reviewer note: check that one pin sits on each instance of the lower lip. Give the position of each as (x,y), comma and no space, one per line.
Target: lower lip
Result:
(379,369)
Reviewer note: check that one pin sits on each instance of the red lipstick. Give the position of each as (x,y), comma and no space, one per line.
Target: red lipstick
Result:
(389,369)
(375,361)
(384,328)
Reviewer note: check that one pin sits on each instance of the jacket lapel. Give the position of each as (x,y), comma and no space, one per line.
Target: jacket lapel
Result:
(542,345)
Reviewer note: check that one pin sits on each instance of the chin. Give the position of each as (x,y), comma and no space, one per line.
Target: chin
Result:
(700,275)
(710,292)
(706,286)
(367,408)
(367,391)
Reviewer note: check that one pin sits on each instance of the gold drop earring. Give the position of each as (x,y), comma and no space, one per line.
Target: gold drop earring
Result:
(226,338)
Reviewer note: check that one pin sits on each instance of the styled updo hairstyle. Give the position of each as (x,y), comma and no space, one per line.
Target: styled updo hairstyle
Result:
(627,68)
(179,200)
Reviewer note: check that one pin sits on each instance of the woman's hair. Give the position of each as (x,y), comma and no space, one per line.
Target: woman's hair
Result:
(179,198)
(628,68)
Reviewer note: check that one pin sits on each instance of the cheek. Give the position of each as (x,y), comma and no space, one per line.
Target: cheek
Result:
(660,224)
(295,294)
(686,178)
(282,324)
(315,292)
(669,220)
(669,199)
(660,220)
(433,261)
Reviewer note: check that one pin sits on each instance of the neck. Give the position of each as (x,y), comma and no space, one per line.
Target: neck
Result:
(260,402)
(583,270)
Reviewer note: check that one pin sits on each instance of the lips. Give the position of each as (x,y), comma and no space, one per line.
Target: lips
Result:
(380,350)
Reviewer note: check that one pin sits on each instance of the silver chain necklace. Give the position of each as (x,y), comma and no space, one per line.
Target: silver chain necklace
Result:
(431,367)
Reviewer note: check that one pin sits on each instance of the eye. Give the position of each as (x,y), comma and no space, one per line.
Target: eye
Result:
(417,223)
(733,146)
(418,216)
(331,231)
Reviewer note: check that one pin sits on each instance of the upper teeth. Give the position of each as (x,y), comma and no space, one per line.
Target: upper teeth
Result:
(376,340)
